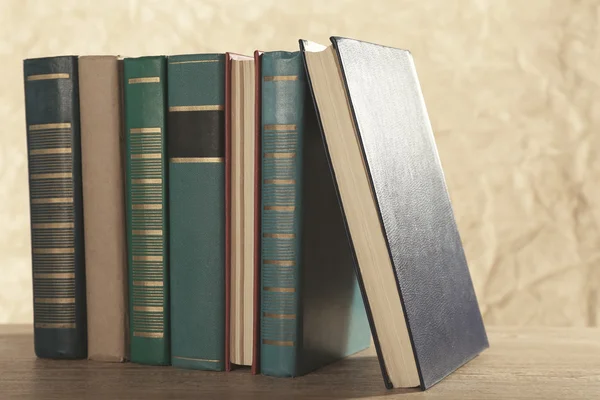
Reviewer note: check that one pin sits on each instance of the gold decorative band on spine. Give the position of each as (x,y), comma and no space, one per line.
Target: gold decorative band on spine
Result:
(280,289)
(55,250)
(280,155)
(146,156)
(281,78)
(54,276)
(147,258)
(196,359)
(280,208)
(54,225)
(63,175)
(281,263)
(280,181)
(44,77)
(149,79)
(146,206)
(148,308)
(148,283)
(52,200)
(279,316)
(277,342)
(146,181)
(190,160)
(217,107)
(150,335)
(280,235)
(58,150)
(148,232)
(145,130)
(43,127)
(54,300)
(193,62)
(44,325)
(280,127)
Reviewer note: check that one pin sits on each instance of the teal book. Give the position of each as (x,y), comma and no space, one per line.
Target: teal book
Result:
(196,143)
(312,312)
(145,83)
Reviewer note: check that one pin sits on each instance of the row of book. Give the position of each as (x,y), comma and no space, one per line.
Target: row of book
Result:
(217,210)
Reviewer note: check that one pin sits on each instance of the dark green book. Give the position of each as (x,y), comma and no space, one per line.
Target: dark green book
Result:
(197,203)
(54,154)
(311,309)
(145,83)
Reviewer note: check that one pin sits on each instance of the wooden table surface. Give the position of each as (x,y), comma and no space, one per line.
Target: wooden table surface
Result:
(522,363)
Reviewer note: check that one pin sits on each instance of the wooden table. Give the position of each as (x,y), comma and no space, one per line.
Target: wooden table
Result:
(522,363)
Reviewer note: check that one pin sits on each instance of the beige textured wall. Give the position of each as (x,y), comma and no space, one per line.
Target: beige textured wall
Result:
(512,88)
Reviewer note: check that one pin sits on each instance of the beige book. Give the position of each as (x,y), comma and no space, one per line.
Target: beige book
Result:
(104,207)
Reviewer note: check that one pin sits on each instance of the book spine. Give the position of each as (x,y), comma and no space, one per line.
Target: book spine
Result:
(283,95)
(145,83)
(54,156)
(100,86)
(197,202)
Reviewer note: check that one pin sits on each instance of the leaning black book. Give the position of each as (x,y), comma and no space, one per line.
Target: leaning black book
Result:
(414,277)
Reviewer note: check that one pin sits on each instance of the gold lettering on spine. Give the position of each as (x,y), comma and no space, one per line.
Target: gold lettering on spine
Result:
(52,200)
(150,79)
(280,263)
(277,342)
(148,232)
(54,276)
(281,78)
(147,181)
(50,300)
(54,225)
(216,107)
(184,160)
(148,283)
(280,289)
(279,316)
(280,208)
(150,335)
(46,325)
(147,309)
(59,150)
(44,77)
(57,250)
(146,206)
(147,258)
(279,235)
(280,181)
(280,127)
(146,156)
(42,127)
(64,175)
(145,130)
(280,155)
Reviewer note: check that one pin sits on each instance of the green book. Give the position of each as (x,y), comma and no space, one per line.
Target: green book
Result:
(197,210)
(312,311)
(145,83)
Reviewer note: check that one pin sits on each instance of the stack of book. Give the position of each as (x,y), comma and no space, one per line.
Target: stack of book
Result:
(218,210)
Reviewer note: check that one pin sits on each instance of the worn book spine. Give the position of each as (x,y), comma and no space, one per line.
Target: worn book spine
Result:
(197,202)
(145,83)
(283,99)
(100,89)
(54,155)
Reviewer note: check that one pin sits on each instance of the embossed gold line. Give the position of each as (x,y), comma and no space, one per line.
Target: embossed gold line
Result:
(149,232)
(279,181)
(151,335)
(146,156)
(45,325)
(147,258)
(280,208)
(279,235)
(196,359)
(280,127)
(52,176)
(55,300)
(280,263)
(277,342)
(184,160)
(280,155)
(281,78)
(41,127)
(59,150)
(193,62)
(144,130)
(44,77)
(55,250)
(52,200)
(147,181)
(280,289)
(149,79)
(148,283)
(54,276)
(54,225)
(279,316)
(148,308)
(216,107)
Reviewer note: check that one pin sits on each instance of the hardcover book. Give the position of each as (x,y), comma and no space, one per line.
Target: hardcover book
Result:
(415,281)
(57,249)
(102,147)
(311,309)
(196,143)
(145,83)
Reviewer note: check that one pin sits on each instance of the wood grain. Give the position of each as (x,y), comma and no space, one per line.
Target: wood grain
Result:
(522,363)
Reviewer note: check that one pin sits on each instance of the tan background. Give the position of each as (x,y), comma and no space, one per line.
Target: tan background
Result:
(512,89)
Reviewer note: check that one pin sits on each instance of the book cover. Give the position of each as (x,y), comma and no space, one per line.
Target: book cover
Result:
(102,147)
(57,245)
(382,117)
(145,89)
(197,210)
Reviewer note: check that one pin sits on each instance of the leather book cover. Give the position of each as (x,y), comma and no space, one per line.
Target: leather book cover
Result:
(196,148)
(434,285)
(57,246)
(100,92)
(145,89)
